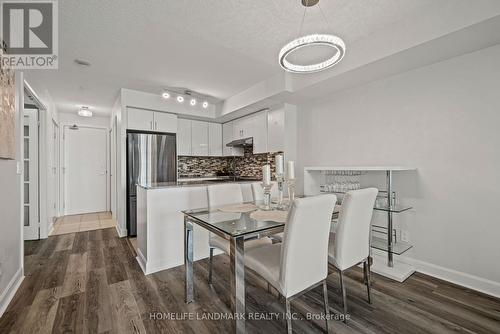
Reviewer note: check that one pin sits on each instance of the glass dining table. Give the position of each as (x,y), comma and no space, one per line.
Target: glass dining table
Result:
(236,227)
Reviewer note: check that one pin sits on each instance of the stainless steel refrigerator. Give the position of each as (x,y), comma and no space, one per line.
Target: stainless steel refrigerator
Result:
(151,158)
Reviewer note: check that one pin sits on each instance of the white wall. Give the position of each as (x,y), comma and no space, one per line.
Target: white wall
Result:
(443,119)
(11,245)
(97,121)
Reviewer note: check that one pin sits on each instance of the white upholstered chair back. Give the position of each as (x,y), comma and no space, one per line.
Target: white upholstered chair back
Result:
(224,194)
(352,238)
(304,251)
(258,191)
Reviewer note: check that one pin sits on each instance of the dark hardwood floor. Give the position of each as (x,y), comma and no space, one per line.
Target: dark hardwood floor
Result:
(90,282)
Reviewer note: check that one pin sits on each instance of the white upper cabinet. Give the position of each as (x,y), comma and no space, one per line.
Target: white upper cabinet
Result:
(227,137)
(215,139)
(147,120)
(199,138)
(183,137)
(259,132)
(276,130)
(243,128)
(140,119)
(164,122)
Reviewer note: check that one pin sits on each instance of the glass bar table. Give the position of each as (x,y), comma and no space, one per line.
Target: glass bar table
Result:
(236,228)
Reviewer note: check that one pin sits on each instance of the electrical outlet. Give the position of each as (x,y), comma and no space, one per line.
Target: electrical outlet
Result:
(405,235)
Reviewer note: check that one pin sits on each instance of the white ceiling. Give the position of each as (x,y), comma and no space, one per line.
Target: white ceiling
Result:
(217,48)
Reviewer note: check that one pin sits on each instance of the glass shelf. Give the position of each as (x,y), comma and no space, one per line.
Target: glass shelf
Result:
(398,248)
(395,208)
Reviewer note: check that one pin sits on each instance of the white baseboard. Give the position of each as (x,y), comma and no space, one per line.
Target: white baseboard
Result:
(10,290)
(121,232)
(50,229)
(473,282)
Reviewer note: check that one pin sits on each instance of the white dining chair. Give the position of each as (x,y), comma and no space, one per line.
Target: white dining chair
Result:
(300,262)
(350,244)
(220,195)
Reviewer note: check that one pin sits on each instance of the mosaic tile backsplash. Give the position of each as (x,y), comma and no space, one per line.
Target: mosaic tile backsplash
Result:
(249,165)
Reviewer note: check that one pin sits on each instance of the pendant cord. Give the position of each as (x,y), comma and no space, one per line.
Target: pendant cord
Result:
(327,23)
(303,18)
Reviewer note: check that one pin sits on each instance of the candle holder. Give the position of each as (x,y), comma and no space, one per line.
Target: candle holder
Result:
(267,197)
(291,190)
(281,181)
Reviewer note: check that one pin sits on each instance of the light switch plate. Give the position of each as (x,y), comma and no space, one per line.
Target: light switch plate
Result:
(19,168)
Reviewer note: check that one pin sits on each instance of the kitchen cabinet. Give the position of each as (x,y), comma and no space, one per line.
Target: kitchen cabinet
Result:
(139,119)
(228,136)
(165,122)
(199,138)
(147,120)
(259,132)
(243,128)
(276,130)
(214,139)
(183,137)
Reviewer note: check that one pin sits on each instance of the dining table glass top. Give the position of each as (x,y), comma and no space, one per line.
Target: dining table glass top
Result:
(235,223)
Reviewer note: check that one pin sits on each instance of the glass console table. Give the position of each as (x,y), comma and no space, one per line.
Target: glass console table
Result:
(341,179)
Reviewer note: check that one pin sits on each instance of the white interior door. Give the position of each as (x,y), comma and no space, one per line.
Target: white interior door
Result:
(30,171)
(85,152)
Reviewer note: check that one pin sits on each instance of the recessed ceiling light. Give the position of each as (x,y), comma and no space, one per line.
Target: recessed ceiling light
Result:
(180,99)
(165,95)
(205,104)
(192,102)
(85,112)
(82,62)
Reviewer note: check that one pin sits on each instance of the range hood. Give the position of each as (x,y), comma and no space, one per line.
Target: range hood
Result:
(241,142)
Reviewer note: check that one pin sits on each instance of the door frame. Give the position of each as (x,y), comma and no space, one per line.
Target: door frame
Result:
(63,163)
(42,161)
(32,231)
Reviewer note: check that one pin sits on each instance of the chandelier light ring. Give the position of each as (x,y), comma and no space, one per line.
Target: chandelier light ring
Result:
(309,40)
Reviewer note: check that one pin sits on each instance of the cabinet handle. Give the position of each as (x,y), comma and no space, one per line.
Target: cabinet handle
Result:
(156,125)
(151,125)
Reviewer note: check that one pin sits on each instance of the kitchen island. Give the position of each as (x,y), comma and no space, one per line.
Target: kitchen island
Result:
(160,222)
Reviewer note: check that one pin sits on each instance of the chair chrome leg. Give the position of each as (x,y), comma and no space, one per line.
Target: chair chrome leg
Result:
(327,308)
(366,265)
(288,316)
(210,263)
(344,299)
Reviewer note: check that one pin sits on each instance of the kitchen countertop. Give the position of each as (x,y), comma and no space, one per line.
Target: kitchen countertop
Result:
(195,182)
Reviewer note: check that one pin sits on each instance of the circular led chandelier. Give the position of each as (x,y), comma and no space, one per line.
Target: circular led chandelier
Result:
(331,41)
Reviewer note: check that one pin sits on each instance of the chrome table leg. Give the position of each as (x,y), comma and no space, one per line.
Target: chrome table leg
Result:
(188,258)
(210,265)
(237,266)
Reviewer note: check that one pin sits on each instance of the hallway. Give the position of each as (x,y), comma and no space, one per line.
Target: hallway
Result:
(83,222)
